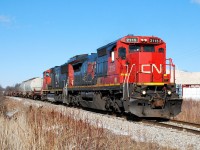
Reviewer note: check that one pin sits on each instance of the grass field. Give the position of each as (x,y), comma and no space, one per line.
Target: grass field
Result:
(30,127)
(190,111)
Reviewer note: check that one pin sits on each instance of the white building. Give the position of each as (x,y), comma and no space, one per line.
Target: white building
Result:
(189,84)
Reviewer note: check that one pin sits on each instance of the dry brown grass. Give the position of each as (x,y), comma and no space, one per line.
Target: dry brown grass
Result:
(47,129)
(190,111)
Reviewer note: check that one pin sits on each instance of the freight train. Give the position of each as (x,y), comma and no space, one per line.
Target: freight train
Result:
(129,75)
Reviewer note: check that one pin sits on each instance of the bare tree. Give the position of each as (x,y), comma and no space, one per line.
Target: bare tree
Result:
(9,88)
(1,90)
(17,86)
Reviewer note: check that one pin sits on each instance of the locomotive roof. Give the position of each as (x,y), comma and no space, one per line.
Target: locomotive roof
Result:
(102,51)
(78,58)
(108,46)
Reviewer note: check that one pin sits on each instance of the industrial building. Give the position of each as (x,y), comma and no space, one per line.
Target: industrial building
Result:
(188,84)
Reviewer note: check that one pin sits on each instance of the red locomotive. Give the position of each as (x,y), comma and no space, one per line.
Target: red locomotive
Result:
(130,75)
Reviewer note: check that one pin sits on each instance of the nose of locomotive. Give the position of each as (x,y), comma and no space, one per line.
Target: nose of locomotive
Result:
(157,103)
(158,108)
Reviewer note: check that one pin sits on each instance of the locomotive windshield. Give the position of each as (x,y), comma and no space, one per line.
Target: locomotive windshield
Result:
(134,48)
(149,48)
(138,48)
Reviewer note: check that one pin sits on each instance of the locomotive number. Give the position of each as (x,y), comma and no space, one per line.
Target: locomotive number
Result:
(131,40)
(154,40)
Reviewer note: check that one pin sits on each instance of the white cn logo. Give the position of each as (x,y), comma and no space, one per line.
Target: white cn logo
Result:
(150,68)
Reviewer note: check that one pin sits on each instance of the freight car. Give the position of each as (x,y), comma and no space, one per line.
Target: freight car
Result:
(129,75)
(29,89)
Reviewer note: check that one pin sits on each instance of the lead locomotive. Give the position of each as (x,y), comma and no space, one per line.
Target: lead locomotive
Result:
(130,75)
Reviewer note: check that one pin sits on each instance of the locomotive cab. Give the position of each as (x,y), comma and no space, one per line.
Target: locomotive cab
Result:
(147,77)
(143,59)
(47,79)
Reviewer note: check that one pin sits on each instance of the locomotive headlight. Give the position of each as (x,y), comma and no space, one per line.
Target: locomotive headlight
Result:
(143,40)
(169,92)
(144,92)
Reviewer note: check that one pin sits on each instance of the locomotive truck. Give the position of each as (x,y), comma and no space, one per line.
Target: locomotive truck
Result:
(131,74)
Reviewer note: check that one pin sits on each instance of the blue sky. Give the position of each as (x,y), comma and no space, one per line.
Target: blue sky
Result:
(37,35)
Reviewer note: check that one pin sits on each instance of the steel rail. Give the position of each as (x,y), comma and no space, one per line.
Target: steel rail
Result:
(176,127)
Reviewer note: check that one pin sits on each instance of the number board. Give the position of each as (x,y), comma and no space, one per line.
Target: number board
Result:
(131,40)
(153,40)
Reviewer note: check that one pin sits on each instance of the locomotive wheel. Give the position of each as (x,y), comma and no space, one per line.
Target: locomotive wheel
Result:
(107,102)
(34,97)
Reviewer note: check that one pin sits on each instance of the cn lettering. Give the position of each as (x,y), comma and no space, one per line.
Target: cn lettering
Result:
(150,68)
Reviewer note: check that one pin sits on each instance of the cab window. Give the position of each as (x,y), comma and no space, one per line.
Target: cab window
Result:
(47,74)
(149,48)
(134,48)
(161,50)
(122,52)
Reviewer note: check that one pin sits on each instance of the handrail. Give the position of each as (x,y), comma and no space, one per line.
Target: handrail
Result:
(172,68)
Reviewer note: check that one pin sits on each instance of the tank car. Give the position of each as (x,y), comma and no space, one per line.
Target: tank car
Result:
(31,88)
(129,75)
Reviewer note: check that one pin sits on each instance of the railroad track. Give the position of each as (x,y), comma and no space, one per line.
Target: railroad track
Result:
(186,123)
(177,125)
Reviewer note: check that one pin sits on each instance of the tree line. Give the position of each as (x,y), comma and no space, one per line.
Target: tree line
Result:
(1,90)
(9,88)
